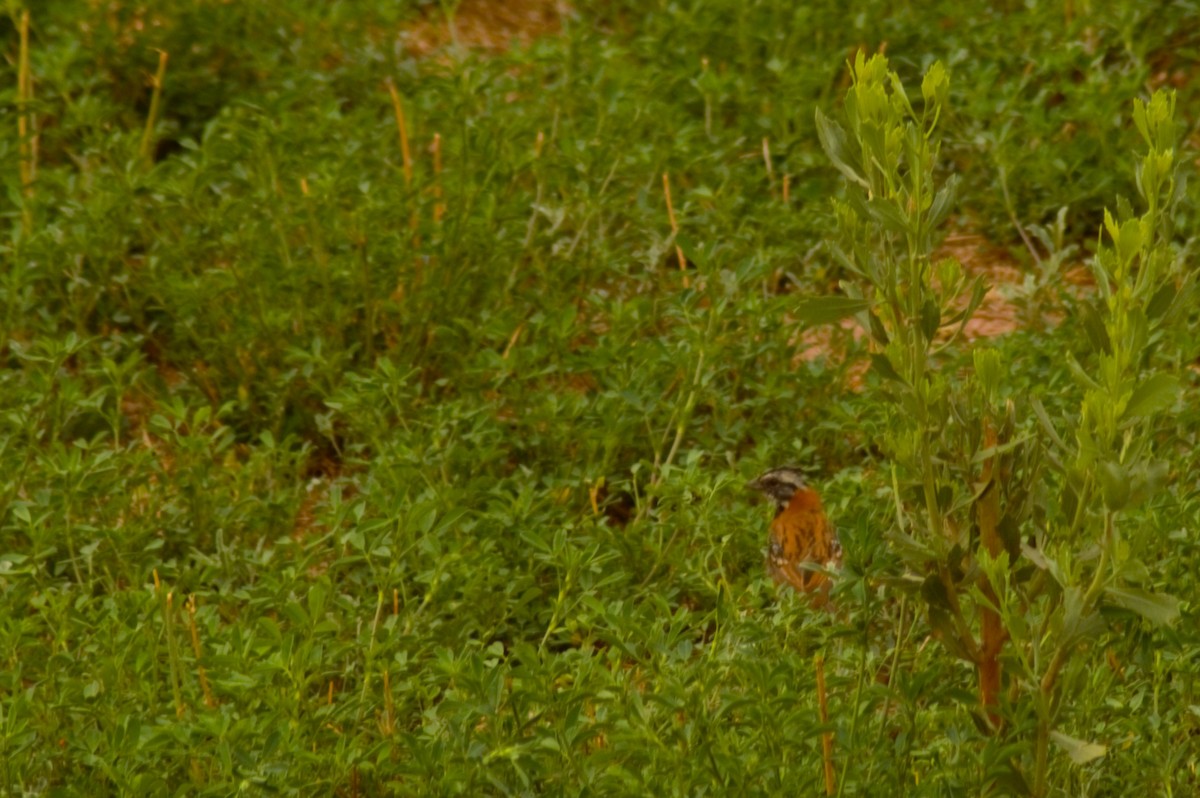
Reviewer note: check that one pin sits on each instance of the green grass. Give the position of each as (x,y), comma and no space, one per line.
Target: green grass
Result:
(369,451)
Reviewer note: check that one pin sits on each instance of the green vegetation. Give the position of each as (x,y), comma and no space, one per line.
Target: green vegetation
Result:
(361,432)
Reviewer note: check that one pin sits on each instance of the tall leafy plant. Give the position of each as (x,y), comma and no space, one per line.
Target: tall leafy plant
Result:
(969,462)
(1110,463)
(913,309)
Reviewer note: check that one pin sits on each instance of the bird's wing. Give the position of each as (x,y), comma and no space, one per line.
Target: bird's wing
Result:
(799,537)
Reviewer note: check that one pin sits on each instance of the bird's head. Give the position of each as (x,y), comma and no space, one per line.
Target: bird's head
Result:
(780,484)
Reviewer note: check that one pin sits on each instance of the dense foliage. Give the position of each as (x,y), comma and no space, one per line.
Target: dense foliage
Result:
(360,431)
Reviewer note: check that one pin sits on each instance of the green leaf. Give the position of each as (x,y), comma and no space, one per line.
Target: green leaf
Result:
(1039,559)
(1130,240)
(1160,609)
(944,630)
(829,309)
(878,331)
(1155,394)
(1080,751)
(1147,477)
(1124,209)
(1093,325)
(911,550)
(937,603)
(881,364)
(978,292)
(844,259)
(1133,570)
(295,613)
(1139,121)
(1162,300)
(933,590)
(1082,377)
(1114,484)
(931,317)
(943,202)
(317,594)
(833,141)
(935,83)
(689,246)
(988,370)
(898,93)
(1044,418)
(1010,535)
(1079,623)
(889,216)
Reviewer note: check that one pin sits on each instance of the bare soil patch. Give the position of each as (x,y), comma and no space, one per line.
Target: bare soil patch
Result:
(488,25)
(997,315)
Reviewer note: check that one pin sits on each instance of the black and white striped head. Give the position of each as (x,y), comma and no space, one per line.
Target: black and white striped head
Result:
(780,484)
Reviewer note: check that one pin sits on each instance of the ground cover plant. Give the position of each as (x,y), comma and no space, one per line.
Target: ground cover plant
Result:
(378,397)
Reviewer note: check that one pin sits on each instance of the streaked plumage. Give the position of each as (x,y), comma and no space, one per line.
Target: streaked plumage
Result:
(801,533)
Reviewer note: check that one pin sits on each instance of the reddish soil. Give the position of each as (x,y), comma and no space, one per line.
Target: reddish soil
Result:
(490,25)
(997,315)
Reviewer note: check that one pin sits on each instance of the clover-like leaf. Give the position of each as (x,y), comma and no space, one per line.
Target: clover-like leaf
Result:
(829,309)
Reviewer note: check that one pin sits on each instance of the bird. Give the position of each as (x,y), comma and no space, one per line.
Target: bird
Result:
(801,534)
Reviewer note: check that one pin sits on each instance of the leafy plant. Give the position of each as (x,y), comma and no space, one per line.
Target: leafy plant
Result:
(1004,565)
(363,431)
(1142,290)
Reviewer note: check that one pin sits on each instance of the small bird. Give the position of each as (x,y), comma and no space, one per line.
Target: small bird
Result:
(800,534)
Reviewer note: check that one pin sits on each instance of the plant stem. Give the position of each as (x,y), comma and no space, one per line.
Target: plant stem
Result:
(24,144)
(1041,749)
(993,633)
(146,149)
(827,736)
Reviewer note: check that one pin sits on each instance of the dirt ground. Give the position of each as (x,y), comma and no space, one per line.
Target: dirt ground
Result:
(997,315)
(489,25)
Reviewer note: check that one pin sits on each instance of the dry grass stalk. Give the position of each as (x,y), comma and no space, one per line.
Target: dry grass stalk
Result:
(25,141)
(402,128)
(674,227)
(209,700)
(826,737)
(439,207)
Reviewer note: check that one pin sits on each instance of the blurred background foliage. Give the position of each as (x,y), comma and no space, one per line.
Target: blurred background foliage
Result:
(451,456)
